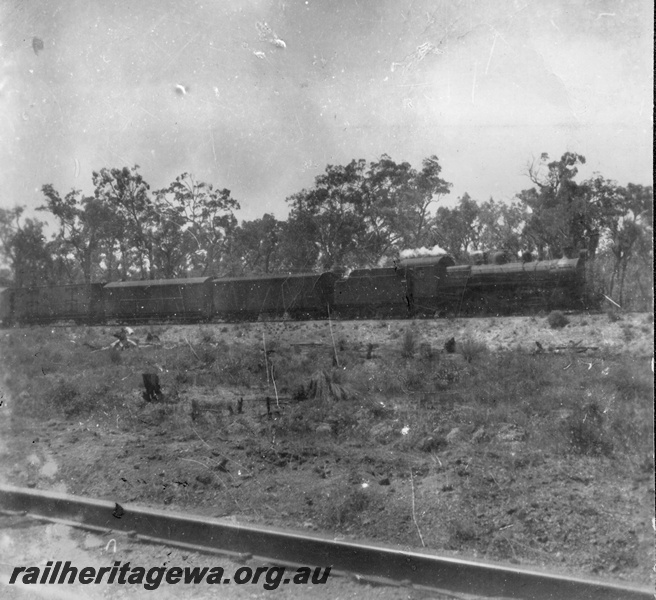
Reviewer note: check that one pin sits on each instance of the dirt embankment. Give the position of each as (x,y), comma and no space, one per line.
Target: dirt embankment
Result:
(629,333)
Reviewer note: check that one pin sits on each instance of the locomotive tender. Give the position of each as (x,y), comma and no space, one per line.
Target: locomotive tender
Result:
(425,287)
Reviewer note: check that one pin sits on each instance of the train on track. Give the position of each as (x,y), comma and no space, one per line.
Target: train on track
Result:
(430,286)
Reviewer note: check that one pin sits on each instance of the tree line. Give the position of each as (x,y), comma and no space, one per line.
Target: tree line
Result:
(355,215)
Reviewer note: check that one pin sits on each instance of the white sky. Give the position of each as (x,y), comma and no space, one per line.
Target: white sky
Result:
(483,85)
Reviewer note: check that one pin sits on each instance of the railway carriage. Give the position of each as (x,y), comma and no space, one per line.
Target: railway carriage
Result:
(175,299)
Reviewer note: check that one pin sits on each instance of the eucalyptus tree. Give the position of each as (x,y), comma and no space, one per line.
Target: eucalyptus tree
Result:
(126,195)
(356,214)
(25,248)
(557,205)
(205,220)
(85,229)
(257,247)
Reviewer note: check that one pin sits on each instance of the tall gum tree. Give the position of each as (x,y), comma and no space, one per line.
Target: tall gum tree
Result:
(357,214)
(206,215)
(557,204)
(428,188)
(255,247)
(84,227)
(458,229)
(25,249)
(631,233)
(330,214)
(126,194)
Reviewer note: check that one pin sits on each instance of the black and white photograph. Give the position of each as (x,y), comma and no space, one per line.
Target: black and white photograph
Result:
(326,299)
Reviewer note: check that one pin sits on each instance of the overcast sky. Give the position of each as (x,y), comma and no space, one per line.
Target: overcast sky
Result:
(260,95)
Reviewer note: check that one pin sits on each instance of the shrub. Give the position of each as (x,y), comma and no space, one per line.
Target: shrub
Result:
(66,398)
(461,531)
(586,431)
(153,335)
(379,409)
(115,356)
(557,319)
(207,355)
(631,426)
(414,377)
(206,336)
(471,349)
(426,351)
(324,386)
(613,315)
(627,332)
(347,506)
(240,368)
(632,384)
(409,343)
(182,377)
(389,383)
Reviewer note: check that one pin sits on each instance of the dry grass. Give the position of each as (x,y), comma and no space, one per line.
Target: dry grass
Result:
(479,421)
(60,373)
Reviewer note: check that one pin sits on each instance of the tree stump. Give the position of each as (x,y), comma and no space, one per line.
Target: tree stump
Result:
(153,391)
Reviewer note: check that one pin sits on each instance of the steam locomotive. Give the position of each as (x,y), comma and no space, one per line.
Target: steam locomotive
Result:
(430,286)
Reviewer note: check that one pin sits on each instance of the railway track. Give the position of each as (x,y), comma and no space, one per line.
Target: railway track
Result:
(373,563)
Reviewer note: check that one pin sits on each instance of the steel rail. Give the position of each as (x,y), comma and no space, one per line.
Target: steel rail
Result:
(363,560)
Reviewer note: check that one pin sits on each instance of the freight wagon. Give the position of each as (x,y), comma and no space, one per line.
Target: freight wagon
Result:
(373,293)
(429,280)
(175,299)
(297,296)
(80,303)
